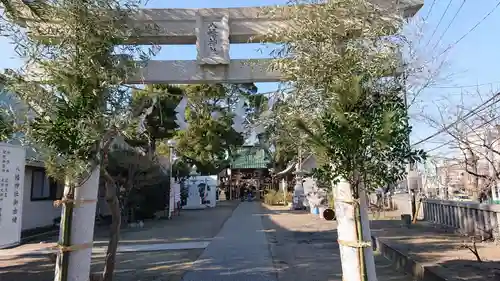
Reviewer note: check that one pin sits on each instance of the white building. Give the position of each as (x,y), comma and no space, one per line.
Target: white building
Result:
(39,191)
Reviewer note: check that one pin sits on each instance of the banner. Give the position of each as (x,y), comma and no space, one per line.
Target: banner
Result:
(13,160)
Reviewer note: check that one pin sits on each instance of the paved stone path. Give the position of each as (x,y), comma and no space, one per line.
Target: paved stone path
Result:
(239,252)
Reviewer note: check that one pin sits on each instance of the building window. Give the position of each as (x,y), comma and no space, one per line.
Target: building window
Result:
(43,187)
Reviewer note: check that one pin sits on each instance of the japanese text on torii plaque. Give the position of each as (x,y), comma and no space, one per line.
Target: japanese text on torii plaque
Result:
(213,40)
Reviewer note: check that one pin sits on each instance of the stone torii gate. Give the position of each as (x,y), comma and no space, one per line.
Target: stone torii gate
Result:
(213,30)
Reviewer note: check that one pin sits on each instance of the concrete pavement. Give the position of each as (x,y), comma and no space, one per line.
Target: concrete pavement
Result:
(239,252)
(254,244)
(170,265)
(304,248)
(435,253)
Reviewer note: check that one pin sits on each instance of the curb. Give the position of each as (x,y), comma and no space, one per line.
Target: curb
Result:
(43,235)
(402,262)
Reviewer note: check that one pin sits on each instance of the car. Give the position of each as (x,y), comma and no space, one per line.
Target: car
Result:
(462,198)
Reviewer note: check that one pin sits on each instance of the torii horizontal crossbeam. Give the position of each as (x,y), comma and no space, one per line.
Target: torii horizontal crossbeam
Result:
(246,24)
(190,72)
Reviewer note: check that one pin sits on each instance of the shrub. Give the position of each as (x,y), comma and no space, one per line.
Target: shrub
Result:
(274,197)
(289,197)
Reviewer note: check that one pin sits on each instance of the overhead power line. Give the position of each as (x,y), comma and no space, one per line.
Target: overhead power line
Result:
(465,117)
(466,86)
(478,127)
(439,22)
(472,29)
(430,10)
(449,24)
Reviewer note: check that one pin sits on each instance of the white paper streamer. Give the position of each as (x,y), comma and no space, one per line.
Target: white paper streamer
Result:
(181,107)
(142,118)
(215,115)
(180,118)
(270,102)
(181,121)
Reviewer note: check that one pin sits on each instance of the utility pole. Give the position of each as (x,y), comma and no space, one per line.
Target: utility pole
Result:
(491,163)
(446,181)
(412,176)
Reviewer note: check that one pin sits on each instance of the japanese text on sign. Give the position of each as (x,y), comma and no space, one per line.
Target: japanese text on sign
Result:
(15,202)
(212,37)
(13,161)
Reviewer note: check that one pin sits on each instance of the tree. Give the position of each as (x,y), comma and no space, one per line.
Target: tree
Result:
(160,123)
(336,55)
(210,118)
(210,139)
(136,176)
(73,87)
(6,126)
(471,136)
(365,137)
(282,135)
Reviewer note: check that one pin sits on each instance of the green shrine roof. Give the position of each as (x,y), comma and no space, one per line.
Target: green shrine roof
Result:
(250,157)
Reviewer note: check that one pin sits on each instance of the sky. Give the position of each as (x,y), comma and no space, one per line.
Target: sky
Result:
(472,61)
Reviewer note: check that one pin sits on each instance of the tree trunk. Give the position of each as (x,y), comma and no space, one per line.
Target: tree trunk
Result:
(127,213)
(356,261)
(114,231)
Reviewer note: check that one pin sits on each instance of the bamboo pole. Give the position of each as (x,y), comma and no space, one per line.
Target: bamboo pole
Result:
(62,262)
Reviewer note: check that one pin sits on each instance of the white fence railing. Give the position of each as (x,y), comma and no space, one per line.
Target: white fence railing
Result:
(466,217)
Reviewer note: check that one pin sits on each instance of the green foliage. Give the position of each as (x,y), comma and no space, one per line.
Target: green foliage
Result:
(208,141)
(272,197)
(73,85)
(6,126)
(282,133)
(365,135)
(335,55)
(322,48)
(142,183)
(276,197)
(181,169)
(160,123)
